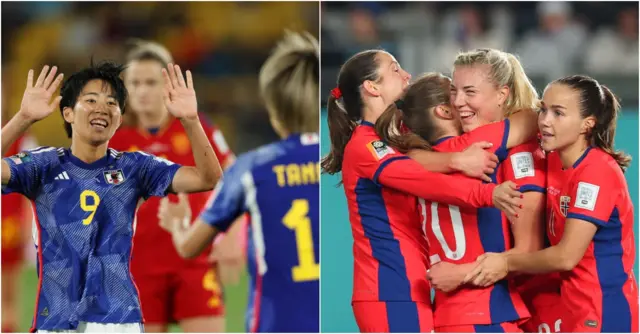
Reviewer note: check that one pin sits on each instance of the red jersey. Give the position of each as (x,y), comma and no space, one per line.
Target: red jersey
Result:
(459,235)
(381,185)
(600,293)
(527,166)
(154,250)
(13,205)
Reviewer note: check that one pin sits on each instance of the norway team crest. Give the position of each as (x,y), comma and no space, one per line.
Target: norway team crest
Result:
(564,204)
(114,177)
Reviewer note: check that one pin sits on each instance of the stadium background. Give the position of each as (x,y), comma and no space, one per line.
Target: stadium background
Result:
(223,44)
(552,39)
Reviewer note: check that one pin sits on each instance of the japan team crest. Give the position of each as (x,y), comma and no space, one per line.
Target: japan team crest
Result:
(564,204)
(114,177)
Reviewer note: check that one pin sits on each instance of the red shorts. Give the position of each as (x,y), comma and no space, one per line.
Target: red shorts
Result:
(188,293)
(12,243)
(546,313)
(380,316)
(505,327)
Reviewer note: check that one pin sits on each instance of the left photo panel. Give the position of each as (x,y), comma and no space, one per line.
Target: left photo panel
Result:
(160,167)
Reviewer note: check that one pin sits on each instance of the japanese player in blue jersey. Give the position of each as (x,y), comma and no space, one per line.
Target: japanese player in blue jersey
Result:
(85,197)
(277,185)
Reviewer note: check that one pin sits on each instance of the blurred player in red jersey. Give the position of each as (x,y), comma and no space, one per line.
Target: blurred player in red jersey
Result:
(16,214)
(457,236)
(391,292)
(591,223)
(171,288)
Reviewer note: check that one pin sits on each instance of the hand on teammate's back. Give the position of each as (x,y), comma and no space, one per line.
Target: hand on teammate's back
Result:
(477,162)
(36,101)
(506,198)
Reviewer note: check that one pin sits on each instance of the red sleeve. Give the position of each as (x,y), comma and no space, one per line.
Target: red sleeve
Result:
(526,166)
(219,144)
(496,133)
(382,164)
(594,194)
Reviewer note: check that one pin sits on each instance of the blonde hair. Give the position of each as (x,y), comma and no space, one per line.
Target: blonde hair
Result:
(504,70)
(148,50)
(289,82)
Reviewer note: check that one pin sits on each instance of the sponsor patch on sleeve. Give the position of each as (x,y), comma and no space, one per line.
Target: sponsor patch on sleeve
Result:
(379,149)
(522,164)
(587,196)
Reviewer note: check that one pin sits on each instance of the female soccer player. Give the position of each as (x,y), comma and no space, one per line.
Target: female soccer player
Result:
(591,223)
(391,292)
(278,186)
(458,235)
(171,288)
(85,197)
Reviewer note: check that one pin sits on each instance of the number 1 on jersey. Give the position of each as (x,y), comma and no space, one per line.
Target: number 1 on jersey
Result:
(89,207)
(297,220)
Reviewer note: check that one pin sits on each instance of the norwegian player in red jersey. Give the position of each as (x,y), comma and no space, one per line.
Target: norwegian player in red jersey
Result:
(391,292)
(479,102)
(16,213)
(171,289)
(591,223)
(457,236)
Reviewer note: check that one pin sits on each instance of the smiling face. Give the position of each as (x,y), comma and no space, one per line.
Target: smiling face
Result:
(475,98)
(96,114)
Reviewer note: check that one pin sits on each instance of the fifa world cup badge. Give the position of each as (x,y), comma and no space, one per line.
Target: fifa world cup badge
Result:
(114,177)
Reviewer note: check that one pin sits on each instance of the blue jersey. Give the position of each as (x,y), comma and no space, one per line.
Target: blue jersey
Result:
(85,224)
(278,185)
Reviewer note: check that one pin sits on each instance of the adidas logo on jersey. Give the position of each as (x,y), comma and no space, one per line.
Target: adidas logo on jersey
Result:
(62,176)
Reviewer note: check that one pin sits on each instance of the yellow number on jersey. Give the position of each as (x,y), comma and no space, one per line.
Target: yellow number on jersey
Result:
(297,220)
(89,207)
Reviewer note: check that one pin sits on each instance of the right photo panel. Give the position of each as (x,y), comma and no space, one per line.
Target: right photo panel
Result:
(480,168)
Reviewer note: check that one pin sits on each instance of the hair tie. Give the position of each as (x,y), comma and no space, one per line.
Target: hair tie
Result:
(336,93)
(399,104)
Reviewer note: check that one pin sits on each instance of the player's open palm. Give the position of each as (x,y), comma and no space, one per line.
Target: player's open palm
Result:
(172,216)
(36,101)
(179,96)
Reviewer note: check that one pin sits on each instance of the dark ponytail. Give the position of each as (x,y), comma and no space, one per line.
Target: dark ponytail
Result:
(344,106)
(389,129)
(340,129)
(599,102)
(604,131)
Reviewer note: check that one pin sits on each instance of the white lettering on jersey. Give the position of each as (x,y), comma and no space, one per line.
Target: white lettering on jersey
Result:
(587,196)
(522,164)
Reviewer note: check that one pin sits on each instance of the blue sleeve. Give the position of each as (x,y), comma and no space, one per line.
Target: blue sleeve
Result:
(228,199)
(27,171)
(156,175)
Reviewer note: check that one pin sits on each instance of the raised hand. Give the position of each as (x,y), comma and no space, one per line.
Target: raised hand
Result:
(179,97)
(36,101)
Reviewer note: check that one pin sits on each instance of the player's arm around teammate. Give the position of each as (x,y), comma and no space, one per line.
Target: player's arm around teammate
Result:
(180,100)
(35,106)
(589,205)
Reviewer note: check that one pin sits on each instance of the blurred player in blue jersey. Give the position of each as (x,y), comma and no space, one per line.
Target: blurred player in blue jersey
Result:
(278,185)
(85,197)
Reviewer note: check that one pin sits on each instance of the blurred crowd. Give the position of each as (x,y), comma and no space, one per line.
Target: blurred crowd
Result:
(552,39)
(223,43)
